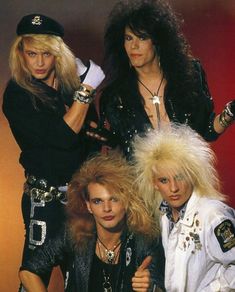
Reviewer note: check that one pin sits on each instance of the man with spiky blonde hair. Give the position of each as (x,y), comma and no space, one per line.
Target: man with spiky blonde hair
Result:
(177,167)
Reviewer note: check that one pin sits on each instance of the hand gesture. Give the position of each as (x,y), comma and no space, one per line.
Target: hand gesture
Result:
(141,280)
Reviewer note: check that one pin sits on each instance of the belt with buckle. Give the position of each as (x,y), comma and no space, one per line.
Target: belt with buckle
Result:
(40,189)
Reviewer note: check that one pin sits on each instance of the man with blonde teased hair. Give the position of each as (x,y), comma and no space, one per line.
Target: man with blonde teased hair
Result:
(47,108)
(111,242)
(176,167)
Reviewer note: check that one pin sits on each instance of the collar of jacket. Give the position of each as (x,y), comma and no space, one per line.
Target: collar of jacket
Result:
(191,211)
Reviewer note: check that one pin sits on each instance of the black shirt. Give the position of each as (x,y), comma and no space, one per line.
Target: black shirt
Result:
(49,147)
(99,271)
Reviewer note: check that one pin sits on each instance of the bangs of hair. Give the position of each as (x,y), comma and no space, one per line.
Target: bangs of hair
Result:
(42,42)
(172,169)
(175,148)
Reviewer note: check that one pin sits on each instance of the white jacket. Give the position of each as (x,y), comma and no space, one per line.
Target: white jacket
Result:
(200,250)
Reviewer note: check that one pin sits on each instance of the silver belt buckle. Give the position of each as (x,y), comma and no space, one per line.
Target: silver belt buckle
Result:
(40,195)
(48,196)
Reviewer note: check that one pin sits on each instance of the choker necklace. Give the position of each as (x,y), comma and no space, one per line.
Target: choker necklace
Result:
(110,256)
(155,97)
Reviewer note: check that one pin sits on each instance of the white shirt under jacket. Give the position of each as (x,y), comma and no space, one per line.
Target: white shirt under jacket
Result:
(200,249)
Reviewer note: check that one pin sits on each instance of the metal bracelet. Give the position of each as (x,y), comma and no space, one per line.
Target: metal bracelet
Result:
(228,110)
(223,122)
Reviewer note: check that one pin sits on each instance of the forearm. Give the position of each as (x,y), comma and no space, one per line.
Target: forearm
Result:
(76,115)
(218,127)
(31,282)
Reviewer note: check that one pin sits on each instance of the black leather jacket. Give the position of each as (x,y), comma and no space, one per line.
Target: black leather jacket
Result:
(127,117)
(79,261)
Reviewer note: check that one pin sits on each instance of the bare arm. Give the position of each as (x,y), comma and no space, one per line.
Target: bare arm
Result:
(31,282)
(76,115)
(220,127)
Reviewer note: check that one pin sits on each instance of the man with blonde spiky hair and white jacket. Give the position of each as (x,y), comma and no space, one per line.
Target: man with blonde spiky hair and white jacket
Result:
(176,166)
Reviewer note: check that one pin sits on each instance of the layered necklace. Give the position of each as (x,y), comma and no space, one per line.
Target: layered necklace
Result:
(109,256)
(155,97)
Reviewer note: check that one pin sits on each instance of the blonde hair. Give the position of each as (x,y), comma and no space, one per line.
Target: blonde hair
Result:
(175,148)
(65,65)
(112,171)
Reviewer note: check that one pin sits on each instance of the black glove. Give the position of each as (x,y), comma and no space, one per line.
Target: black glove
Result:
(232,107)
(102,135)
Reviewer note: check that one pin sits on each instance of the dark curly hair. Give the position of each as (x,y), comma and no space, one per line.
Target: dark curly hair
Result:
(156,19)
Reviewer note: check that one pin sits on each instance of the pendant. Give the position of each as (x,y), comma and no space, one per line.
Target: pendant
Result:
(106,284)
(155,99)
(110,255)
(107,287)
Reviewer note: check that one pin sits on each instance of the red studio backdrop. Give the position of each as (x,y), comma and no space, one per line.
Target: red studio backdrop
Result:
(210,31)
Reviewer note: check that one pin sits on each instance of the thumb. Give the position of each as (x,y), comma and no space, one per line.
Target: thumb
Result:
(146,262)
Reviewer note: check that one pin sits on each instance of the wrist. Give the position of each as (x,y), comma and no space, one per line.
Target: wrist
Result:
(85,94)
(230,109)
(225,120)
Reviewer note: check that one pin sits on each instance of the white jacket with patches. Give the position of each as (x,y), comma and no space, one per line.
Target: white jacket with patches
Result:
(200,250)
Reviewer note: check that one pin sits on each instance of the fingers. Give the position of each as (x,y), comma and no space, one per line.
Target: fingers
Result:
(93,124)
(141,281)
(94,132)
(146,262)
(95,136)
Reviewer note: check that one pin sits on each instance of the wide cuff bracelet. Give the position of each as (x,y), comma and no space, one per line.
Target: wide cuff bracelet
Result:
(83,95)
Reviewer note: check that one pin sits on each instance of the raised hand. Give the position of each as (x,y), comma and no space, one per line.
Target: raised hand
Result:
(141,280)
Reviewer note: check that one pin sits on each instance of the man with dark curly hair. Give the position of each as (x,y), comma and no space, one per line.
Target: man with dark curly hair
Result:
(152,77)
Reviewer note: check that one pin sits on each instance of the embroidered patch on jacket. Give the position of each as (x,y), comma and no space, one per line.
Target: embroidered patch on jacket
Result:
(225,234)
